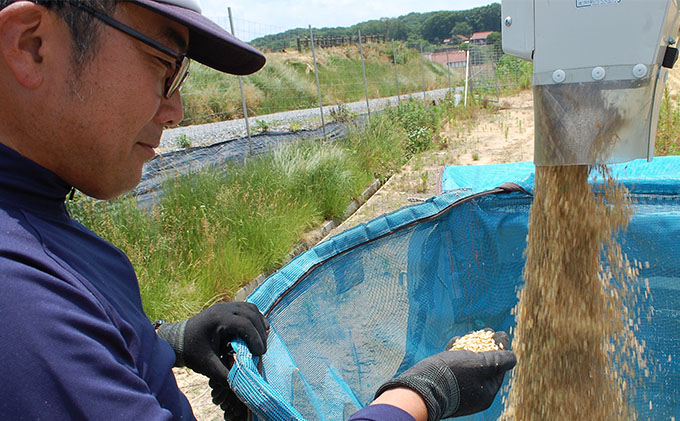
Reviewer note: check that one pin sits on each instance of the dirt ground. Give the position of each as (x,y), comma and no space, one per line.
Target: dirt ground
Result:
(503,134)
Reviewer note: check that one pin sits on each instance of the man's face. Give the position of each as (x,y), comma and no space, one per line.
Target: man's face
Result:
(110,118)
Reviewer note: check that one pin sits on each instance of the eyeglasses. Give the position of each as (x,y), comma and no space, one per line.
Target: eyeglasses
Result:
(181,68)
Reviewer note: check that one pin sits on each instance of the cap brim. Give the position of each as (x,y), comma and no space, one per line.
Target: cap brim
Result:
(208,42)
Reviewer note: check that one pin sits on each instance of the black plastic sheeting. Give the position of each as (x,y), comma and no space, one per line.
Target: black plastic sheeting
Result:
(175,163)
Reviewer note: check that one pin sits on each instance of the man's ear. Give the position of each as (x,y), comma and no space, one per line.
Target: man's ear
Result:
(21,24)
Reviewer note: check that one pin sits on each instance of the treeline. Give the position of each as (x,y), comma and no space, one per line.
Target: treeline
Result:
(431,28)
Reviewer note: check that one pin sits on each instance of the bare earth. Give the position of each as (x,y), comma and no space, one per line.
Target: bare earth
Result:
(503,134)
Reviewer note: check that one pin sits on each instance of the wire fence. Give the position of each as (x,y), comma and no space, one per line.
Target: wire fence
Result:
(362,69)
(491,71)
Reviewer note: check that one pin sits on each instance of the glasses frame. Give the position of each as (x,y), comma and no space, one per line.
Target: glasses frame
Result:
(181,70)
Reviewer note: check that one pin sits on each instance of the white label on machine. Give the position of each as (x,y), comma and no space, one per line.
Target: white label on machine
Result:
(586,3)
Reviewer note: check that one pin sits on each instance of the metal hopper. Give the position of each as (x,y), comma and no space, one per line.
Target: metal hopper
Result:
(600,67)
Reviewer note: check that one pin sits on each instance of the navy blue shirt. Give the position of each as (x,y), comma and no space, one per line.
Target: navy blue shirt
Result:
(75,342)
(381,412)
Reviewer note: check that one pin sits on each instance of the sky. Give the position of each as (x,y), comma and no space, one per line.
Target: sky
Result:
(255,18)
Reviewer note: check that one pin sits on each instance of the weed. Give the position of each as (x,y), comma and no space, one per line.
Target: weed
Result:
(423,182)
(475,156)
(261,126)
(443,142)
(341,113)
(420,121)
(295,126)
(184,141)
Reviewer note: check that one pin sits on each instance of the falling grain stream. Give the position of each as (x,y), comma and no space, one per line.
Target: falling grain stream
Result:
(575,352)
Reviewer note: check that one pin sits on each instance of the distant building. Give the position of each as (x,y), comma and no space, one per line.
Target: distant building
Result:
(456,39)
(450,59)
(456,59)
(462,38)
(479,38)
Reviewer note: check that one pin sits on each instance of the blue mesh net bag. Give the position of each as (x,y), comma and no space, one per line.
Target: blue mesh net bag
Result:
(367,304)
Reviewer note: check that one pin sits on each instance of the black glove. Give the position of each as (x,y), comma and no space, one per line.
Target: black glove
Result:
(202,341)
(457,383)
(225,398)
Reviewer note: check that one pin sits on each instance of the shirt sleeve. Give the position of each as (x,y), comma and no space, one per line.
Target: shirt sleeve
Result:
(64,356)
(381,412)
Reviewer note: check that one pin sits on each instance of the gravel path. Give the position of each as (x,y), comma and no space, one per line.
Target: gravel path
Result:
(207,134)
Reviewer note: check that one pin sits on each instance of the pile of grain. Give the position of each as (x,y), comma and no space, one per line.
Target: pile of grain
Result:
(570,317)
(478,341)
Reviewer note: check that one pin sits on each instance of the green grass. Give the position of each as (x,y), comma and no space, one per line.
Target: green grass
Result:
(217,229)
(668,130)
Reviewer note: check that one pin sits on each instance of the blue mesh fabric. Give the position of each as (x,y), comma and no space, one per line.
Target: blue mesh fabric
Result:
(369,303)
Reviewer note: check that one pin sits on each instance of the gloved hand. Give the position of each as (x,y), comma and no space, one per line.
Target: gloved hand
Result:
(457,383)
(225,398)
(202,341)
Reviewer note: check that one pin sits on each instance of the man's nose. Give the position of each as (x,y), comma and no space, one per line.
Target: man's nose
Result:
(170,111)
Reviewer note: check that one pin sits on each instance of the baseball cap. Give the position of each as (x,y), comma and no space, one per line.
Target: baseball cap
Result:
(208,42)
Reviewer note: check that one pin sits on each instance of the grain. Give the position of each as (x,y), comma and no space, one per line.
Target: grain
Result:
(574,337)
(478,341)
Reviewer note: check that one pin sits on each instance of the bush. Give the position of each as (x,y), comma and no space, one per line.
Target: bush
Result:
(420,121)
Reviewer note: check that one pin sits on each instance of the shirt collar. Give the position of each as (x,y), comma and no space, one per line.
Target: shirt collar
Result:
(27,185)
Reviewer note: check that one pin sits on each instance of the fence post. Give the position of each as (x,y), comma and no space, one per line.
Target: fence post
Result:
(396,74)
(467,74)
(422,71)
(363,70)
(448,72)
(318,87)
(243,96)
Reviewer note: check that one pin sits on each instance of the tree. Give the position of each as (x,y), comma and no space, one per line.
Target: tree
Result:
(485,18)
(461,28)
(398,30)
(436,27)
(495,39)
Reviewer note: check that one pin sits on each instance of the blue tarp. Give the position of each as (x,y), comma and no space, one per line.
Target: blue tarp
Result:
(365,305)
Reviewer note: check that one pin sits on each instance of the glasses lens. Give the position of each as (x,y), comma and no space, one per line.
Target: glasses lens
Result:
(181,73)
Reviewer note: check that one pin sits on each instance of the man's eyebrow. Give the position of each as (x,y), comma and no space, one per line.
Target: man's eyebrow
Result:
(179,41)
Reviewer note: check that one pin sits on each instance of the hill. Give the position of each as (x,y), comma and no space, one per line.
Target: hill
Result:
(430,27)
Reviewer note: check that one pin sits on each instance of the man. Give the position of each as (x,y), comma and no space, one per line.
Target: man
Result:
(87,88)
